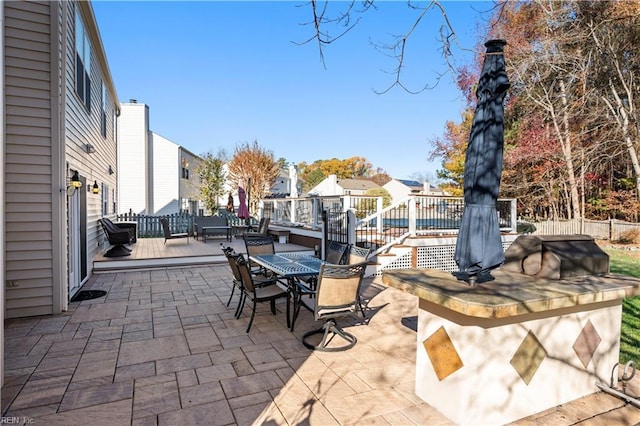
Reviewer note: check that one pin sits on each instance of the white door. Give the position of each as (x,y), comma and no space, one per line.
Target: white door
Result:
(74,243)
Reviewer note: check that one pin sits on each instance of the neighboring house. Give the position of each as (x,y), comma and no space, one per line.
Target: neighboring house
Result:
(59,108)
(282,187)
(157,176)
(190,183)
(331,185)
(402,188)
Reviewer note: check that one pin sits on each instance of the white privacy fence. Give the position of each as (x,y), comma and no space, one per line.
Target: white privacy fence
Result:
(611,230)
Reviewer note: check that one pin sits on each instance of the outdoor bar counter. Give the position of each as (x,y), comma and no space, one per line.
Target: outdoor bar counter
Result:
(515,346)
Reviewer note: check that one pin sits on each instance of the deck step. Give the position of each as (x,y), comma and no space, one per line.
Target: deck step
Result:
(152,253)
(161,263)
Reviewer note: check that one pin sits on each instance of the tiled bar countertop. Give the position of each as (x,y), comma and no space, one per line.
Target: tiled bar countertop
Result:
(510,294)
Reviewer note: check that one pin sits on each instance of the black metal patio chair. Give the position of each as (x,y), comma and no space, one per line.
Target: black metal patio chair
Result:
(232,257)
(265,293)
(261,231)
(356,255)
(336,297)
(117,237)
(256,246)
(168,235)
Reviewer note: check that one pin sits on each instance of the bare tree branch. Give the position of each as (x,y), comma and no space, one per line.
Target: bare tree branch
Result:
(321,20)
(350,16)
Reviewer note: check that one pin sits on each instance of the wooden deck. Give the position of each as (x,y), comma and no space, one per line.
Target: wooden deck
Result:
(150,253)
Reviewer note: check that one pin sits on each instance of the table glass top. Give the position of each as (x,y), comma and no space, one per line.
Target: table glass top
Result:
(290,264)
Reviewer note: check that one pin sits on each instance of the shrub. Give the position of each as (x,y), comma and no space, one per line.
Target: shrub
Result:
(632,236)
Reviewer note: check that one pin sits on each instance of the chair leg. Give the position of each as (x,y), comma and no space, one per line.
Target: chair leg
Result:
(288,322)
(253,313)
(233,289)
(329,327)
(296,308)
(361,307)
(273,306)
(240,307)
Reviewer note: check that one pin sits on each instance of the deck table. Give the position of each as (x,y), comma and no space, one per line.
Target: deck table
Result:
(207,229)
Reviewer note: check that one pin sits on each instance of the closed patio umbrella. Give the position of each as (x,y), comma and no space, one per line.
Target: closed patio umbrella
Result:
(243,211)
(479,246)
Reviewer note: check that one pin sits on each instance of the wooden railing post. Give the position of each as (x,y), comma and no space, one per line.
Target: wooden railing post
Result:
(292,208)
(379,221)
(260,208)
(412,214)
(346,205)
(351,226)
(316,211)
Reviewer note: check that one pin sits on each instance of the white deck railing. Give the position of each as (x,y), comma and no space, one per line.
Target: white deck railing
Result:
(371,225)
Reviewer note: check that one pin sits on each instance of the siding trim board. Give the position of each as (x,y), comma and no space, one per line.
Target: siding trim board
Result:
(3,292)
(58,212)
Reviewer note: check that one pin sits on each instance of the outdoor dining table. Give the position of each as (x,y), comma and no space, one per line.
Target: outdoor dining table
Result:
(291,266)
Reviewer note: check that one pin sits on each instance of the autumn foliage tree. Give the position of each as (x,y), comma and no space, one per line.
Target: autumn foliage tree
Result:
(258,167)
(451,148)
(350,168)
(572,129)
(380,177)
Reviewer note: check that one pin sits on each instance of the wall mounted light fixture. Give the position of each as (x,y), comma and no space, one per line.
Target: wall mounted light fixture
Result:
(90,148)
(110,170)
(95,188)
(73,183)
(75,180)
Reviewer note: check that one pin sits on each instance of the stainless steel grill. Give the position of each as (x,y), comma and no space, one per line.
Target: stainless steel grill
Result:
(556,256)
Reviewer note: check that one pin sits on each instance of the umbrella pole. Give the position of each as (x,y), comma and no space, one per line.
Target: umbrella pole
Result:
(247,221)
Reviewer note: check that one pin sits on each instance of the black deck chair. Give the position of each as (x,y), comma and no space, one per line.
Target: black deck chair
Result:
(168,235)
(117,237)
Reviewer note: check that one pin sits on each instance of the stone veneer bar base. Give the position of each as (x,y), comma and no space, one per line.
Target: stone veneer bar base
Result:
(515,346)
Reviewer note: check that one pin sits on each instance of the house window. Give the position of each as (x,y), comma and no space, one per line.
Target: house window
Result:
(105,199)
(185,168)
(103,111)
(83,63)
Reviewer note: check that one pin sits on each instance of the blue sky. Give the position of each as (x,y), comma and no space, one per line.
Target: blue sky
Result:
(217,74)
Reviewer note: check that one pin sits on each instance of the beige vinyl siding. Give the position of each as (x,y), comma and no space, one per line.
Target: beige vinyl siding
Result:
(28,159)
(166,175)
(83,127)
(47,128)
(190,188)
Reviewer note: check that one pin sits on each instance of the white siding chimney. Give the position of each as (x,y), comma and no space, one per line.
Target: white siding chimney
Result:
(133,178)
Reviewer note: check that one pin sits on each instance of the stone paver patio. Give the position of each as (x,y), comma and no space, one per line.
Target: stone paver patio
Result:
(162,348)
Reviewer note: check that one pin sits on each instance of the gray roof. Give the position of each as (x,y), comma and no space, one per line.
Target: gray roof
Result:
(359,184)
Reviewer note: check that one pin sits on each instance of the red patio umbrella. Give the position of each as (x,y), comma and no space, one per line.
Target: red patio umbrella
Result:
(243,211)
